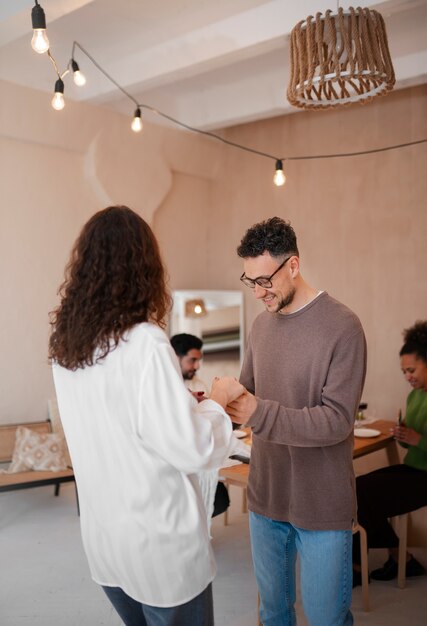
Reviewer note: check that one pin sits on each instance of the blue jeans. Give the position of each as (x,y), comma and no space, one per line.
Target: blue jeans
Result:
(196,612)
(326,572)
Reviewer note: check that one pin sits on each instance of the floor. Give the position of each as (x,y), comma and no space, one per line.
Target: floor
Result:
(44,579)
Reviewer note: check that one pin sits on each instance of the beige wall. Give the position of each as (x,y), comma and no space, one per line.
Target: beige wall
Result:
(56,169)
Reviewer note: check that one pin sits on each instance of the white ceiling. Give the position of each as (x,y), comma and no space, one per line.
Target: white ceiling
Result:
(208,63)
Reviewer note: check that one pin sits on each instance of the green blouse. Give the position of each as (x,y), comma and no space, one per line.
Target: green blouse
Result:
(416,418)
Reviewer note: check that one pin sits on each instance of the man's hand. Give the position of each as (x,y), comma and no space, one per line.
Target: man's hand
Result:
(241,409)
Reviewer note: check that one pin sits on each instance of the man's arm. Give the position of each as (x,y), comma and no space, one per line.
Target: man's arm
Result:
(326,424)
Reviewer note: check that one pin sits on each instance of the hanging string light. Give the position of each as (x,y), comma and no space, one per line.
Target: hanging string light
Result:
(78,77)
(279,177)
(39,42)
(137,122)
(58,101)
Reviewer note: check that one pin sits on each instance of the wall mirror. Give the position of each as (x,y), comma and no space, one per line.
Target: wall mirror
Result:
(217,318)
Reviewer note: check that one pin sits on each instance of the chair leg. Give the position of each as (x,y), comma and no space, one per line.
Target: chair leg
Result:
(403,537)
(363,564)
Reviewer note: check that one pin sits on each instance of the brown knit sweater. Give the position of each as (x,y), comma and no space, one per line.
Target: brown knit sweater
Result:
(307,370)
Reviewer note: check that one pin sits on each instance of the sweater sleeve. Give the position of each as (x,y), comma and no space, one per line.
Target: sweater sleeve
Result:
(189,436)
(332,420)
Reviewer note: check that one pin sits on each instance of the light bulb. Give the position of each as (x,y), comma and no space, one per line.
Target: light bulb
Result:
(197,309)
(58,101)
(78,77)
(40,42)
(279,177)
(136,122)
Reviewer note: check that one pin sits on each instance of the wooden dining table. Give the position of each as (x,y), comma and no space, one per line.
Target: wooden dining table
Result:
(239,474)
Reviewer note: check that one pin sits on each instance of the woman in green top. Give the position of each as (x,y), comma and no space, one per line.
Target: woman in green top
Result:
(398,489)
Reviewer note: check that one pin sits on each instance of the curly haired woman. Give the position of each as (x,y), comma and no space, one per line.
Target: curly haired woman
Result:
(135,434)
(398,489)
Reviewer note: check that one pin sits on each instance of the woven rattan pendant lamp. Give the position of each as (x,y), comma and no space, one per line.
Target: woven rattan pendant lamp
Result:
(339,58)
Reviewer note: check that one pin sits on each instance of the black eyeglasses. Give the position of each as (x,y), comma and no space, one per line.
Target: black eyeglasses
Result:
(262,281)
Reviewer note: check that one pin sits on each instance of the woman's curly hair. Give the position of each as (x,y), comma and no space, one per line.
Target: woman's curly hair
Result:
(115,279)
(415,340)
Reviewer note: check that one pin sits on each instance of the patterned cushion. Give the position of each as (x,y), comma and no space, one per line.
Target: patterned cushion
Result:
(34,451)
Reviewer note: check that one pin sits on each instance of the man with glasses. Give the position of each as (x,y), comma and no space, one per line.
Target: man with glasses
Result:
(304,370)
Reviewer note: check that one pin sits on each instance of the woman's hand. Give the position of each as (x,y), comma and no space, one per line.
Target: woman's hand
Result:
(406,435)
(225,390)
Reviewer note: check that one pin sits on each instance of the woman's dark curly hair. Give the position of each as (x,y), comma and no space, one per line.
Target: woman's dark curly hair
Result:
(273,235)
(115,279)
(415,340)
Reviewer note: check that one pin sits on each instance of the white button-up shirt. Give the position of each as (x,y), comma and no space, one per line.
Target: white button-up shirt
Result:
(136,438)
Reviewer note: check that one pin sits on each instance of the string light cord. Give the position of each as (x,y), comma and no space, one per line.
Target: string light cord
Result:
(207,133)
(228,142)
(350,154)
(101,69)
(51,57)
(212,135)
(165,115)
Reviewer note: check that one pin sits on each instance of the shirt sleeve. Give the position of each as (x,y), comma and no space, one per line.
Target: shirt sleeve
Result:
(417,420)
(190,436)
(328,423)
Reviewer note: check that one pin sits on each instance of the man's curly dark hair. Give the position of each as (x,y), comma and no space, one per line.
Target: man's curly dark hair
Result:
(273,235)
(415,340)
(114,280)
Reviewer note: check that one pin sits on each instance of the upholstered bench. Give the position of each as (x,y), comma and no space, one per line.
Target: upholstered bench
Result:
(32,478)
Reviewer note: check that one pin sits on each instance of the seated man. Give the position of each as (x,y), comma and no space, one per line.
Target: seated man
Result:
(188,349)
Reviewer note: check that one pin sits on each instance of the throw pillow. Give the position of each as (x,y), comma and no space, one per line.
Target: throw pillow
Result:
(34,451)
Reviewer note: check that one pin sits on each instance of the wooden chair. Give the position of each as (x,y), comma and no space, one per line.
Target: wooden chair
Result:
(229,481)
(400,522)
